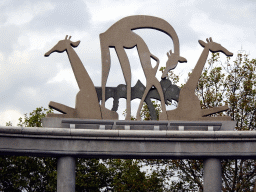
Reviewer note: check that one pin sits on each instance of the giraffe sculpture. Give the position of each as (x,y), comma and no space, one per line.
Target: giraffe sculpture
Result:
(189,108)
(87,105)
(120,36)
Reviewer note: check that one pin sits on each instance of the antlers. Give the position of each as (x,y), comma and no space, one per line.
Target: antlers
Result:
(209,39)
(67,37)
(169,54)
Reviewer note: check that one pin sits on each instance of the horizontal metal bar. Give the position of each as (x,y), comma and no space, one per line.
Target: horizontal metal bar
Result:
(124,122)
(141,122)
(196,124)
(99,122)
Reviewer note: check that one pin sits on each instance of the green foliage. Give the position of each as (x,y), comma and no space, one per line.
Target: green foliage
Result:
(189,173)
(91,175)
(116,175)
(171,75)
(145,115)
(22,173)
(126,175)
(231,84)
(132,117)
(25,173)
(8,123)
(34,118)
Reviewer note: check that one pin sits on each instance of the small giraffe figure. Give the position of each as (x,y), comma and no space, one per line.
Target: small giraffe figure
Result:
(171,63)
(87,105)
(189,105)
(120,36)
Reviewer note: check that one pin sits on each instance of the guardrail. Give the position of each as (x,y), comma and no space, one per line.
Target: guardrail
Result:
(144,125)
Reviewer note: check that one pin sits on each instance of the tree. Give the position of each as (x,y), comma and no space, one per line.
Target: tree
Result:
(232,83)
(22,173)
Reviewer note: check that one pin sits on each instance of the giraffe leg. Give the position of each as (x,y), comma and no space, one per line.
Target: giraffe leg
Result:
(105,60)
(160,91)
(142,100)
(125,65)
(128,102)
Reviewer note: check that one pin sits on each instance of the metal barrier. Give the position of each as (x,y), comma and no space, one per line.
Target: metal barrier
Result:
(150,125)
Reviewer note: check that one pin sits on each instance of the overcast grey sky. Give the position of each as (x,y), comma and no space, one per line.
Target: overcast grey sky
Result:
(28,29)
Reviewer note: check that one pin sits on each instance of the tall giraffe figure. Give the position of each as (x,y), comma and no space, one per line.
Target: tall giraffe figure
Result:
(189,105)
(87,105)
(120,36)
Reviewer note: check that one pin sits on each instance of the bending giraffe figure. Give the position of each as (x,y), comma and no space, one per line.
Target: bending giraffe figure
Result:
(120,36)
(189,107)
(87,105)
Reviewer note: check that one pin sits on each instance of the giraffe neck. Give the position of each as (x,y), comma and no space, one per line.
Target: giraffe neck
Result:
(197,71)
(81,75)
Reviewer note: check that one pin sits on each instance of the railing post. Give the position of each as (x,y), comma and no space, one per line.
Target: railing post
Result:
(66,177)
(212,175)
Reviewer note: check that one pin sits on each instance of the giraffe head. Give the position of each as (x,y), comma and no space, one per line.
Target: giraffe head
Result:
(62,46)
(173,60)
(215,47)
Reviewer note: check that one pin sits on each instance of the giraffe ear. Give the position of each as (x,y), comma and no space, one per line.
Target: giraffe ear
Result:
(202,43)
(182,60)
(75,44)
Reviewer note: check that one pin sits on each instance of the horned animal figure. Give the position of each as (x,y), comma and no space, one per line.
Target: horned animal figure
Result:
(87,105)
(120,36)
(172,62)
(189,105)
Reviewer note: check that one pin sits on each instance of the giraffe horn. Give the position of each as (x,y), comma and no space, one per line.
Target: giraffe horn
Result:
(66,37)
(69,37)
(210,39)
(207,40)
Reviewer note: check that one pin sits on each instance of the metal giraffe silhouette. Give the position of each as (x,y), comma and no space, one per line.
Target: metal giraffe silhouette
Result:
(189,105)
(170,91)
(120,36)
(87,105)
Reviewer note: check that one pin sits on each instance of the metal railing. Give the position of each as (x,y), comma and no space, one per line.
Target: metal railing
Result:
(144,125)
